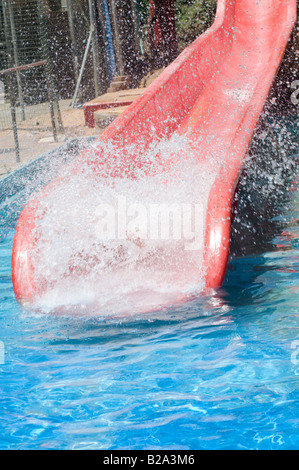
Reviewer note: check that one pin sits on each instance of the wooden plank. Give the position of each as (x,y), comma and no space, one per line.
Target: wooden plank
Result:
(23,67)
(109,100)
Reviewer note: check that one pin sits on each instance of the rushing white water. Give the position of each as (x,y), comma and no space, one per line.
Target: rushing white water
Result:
(124,245)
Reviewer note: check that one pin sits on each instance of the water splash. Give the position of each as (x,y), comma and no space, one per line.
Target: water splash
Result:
(100,249)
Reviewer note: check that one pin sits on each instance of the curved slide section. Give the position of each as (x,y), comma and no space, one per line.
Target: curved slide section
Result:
(212,95)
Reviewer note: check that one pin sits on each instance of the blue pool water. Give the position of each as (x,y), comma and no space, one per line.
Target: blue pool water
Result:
(218,372)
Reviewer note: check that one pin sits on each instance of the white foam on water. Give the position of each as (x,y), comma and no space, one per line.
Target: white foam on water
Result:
(132,269)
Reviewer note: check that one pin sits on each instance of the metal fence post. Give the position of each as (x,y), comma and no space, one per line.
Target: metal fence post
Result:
(118,49)
(135,25)
(95,48)
(10,84)
(82,67)
(49,71)
(16,57)
(70,12)
(14,117)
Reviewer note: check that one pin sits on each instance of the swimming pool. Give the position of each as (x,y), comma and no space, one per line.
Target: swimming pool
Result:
(218,372)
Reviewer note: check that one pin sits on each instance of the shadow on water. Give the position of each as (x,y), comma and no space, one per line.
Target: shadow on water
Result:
(265,207)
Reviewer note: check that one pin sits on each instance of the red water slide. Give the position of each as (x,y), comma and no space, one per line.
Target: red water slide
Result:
(215,90)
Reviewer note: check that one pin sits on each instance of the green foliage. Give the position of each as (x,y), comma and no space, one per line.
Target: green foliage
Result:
(193,17)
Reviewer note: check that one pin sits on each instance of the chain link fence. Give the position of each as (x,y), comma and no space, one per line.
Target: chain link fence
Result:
(27,85)
(16,114)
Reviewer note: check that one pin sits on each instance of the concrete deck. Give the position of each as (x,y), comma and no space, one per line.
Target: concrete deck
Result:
(35,133)
(36,137)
